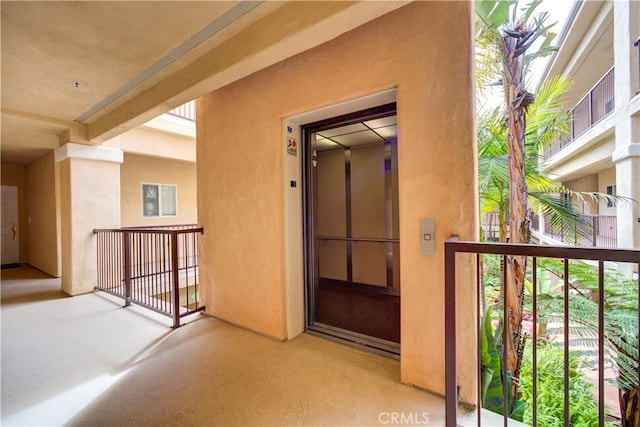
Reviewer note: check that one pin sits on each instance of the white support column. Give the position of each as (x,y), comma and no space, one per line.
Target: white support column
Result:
(90,198)
(626,156)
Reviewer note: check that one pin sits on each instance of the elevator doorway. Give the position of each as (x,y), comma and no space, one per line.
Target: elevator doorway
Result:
(352,231)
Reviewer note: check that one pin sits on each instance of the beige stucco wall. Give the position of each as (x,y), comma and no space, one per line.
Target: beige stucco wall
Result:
(586,183)
(43,199)
(138,169)
(585,155)
(425,51)
(151,142)
(605,178)
(14,175)
(89,199)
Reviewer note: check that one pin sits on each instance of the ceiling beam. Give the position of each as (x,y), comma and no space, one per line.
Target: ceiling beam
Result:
(286,31)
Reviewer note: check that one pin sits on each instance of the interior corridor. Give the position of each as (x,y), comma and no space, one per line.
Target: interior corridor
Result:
(87,361)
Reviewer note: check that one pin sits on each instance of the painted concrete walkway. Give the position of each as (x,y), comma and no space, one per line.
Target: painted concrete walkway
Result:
(87,361)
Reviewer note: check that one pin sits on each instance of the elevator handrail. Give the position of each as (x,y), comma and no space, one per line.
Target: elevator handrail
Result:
(359,239)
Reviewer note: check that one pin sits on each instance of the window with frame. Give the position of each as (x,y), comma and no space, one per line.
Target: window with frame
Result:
(611,190)
(159,200)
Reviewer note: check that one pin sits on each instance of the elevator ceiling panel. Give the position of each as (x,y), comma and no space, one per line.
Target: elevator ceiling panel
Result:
(358,138)
(353,135)
(343,130)
(387,132)
(382,122)
(323,144)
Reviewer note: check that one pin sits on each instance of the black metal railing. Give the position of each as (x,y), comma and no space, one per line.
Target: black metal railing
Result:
(185,111)
(537,256)
(598,103)
(153,267)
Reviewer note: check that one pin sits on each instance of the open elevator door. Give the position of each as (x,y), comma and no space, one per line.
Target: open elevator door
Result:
(352,233)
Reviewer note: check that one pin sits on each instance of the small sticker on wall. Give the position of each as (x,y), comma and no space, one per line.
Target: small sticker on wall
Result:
(292,146)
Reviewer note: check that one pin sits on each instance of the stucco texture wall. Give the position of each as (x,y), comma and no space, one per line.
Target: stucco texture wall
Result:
(137,170)
(150,143)
(585,183)
(43,199)
(425,51)
(14,175)
(606,177)
(89,199)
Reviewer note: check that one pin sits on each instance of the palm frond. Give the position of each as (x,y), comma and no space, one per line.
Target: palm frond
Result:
(547,119)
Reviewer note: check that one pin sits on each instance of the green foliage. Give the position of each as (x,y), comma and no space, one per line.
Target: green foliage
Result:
(550,391)
(491,371)
(491,275)
(491,381)
(546,119)
(621,331)
(546,122)
(492,13)
(621,315)
(494,20)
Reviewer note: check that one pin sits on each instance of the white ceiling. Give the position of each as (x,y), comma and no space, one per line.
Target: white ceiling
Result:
(104,46)
(136,60)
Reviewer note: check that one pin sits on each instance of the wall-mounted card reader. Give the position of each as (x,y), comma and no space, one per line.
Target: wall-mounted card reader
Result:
(427,237)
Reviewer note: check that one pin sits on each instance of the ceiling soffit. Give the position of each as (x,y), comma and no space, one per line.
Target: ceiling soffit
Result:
(288,30)
(135,60)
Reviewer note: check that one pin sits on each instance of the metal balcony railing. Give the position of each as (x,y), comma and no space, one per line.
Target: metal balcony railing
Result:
(153,267)
(600,231)
(598,103)
(606,334)
(185,111)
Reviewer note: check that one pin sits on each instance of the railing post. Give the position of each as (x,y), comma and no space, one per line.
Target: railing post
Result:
(590,108)
(175,285)
(451,386)
(126,242)
(573,128)
(637,44)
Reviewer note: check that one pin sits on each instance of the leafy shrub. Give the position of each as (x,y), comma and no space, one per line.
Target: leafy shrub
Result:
(550,392)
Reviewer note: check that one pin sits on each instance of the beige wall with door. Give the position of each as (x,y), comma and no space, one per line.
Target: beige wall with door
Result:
(425,50)
(38,211)
(137,170)
(14,175)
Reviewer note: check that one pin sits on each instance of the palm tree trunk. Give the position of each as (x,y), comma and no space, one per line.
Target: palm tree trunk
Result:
(629,408)
(503,225)
(628,399)
(516,100)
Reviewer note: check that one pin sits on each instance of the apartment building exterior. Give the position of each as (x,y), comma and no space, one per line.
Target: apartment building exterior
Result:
(599,50)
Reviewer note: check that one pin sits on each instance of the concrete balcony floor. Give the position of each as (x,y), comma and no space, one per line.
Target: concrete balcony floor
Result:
(87,361)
